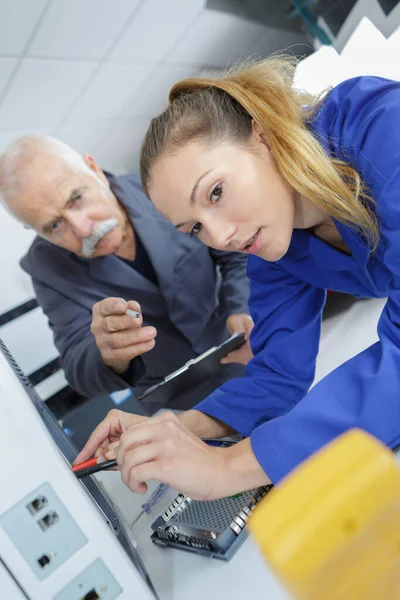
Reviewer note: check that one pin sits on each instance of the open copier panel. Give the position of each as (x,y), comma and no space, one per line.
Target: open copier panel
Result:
(60,537)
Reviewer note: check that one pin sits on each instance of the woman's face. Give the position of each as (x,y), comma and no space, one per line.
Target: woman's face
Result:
(232,197)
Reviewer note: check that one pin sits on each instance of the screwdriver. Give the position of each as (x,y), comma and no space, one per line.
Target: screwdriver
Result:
(89,467)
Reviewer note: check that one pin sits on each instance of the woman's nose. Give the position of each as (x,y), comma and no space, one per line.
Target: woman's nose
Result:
(221,234)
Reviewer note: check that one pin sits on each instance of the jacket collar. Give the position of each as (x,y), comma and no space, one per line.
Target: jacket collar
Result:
(304,244)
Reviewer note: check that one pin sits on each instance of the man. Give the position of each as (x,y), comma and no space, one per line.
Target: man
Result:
(102,248)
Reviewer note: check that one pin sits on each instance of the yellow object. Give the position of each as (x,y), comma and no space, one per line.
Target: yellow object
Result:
(331,529)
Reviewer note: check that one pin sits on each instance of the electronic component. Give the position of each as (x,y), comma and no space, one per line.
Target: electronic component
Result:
(214,528)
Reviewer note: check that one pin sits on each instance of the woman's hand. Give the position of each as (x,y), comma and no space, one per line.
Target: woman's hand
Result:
(204,426)
(163,449)
(107,434)
(105,438)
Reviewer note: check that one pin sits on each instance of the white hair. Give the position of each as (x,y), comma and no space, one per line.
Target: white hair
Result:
(17,156)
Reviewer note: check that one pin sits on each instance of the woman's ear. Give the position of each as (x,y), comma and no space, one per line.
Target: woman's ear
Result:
(259,136)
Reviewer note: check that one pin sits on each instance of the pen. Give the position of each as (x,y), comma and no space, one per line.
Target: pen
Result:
(132,313)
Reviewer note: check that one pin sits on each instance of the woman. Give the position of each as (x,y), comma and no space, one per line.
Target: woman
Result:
(311,191)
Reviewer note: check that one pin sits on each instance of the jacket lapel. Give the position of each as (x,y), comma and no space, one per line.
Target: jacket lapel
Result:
(111,270)
(169,252)
(155,233)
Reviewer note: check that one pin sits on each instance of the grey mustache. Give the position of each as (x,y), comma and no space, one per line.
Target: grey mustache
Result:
(99,231)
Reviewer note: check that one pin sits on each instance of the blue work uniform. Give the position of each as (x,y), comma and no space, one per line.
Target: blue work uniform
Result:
(359,122)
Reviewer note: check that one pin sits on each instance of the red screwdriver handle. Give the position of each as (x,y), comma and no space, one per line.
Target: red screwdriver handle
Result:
(88,463)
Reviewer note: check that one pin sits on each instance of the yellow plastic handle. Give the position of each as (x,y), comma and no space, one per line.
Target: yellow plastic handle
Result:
(331,529)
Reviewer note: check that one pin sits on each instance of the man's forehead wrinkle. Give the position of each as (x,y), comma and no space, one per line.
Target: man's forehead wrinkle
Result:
(48,196)
(57,179)
(63,184)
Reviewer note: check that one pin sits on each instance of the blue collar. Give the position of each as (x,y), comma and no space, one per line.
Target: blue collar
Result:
(305,244)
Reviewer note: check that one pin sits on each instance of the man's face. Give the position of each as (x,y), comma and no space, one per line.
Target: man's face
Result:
(74,210)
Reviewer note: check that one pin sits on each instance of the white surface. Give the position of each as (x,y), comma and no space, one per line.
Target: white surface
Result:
(229,38)
(368,53)
(18,18)
(113,143)
(9,588)
(66,70)
(36,460)
(395,39)
(27,102)
(111,88)
(80,28)
(14,241)
(347,334)
(153,96)
(10,135)
(62,54)
(320,70)
(51,385)
(7,66)
(37,348)
(29,337)
(179,575)
(156,28)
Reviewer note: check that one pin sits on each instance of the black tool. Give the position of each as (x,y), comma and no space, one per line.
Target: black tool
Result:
(85,472)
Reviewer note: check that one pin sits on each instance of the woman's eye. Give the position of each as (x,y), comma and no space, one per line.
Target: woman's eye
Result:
(55,226)
(195,229)
(216,193)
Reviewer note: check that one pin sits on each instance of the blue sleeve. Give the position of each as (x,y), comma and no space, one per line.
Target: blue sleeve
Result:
(359,124)
(284,340)
(235,285)
(364,391)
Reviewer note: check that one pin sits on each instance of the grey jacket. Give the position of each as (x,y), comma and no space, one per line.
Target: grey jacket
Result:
(198,289)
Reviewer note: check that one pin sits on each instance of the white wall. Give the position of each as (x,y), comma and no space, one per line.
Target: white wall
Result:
(93,72)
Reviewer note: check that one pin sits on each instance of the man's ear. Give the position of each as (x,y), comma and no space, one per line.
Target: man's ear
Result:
(93,166)
(259,136)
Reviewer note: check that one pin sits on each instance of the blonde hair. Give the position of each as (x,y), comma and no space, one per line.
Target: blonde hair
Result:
(215,110)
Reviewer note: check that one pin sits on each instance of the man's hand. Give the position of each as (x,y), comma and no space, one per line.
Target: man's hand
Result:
(105,438)
(239,323)
(120,338)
